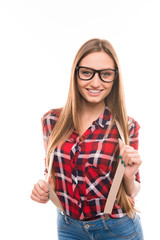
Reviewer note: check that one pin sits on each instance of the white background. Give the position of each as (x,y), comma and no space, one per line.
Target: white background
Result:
(38,41)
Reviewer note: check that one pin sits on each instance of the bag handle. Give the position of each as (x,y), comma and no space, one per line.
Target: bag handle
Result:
(116,181)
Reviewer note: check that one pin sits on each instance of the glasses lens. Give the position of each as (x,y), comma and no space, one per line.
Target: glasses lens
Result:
(107,75)
(85,73)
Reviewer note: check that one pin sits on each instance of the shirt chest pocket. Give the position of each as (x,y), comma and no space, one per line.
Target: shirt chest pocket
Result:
(97,182)
(98,169)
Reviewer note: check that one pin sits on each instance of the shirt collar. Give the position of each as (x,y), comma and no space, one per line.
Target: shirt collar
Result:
(105,118)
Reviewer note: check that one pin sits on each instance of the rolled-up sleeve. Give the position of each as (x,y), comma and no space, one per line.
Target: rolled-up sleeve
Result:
(48,120)
(134,139)
(45,133)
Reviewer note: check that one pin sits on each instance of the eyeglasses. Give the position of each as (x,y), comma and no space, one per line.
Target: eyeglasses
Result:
(106,75)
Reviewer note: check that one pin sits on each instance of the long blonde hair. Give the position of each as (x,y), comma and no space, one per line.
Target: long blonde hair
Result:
(70,114)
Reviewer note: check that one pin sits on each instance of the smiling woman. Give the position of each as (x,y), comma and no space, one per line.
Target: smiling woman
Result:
(91,84)
(83,140)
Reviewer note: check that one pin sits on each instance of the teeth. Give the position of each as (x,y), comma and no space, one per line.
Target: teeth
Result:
(94,91)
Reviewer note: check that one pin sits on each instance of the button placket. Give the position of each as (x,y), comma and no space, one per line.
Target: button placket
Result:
(74,174)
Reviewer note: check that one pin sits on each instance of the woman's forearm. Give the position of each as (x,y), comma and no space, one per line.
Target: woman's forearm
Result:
(132,186)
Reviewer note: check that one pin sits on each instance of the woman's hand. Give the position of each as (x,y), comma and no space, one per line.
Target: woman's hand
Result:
(40,192)
(131,160)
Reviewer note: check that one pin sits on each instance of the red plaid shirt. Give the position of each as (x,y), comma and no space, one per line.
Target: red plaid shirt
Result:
(84,170)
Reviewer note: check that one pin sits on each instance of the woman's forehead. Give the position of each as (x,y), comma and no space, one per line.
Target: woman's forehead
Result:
(97,60)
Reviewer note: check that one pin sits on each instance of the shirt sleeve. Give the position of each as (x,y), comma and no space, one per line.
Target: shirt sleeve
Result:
(134,139)
(48,120)
(45,133)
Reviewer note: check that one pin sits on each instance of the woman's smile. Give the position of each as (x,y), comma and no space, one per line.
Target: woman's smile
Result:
(94,92)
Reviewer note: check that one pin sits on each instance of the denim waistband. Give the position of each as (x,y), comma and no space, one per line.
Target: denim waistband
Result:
(117,228)
(104,219)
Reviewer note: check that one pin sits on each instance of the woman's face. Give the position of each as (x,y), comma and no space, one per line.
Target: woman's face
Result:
(95,90)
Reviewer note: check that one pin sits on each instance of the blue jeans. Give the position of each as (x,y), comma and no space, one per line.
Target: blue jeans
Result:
(99,229)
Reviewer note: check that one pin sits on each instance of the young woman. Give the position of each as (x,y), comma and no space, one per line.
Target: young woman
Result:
(86,145)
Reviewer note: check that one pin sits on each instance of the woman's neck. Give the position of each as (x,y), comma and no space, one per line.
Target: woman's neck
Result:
(92,110)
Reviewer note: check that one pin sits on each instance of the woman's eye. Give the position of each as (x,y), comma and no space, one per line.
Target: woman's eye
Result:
(86,72)
(105,74)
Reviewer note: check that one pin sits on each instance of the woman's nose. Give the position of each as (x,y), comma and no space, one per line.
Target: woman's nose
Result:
(96,81)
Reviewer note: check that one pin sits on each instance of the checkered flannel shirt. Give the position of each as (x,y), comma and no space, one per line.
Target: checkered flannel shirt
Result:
(84,170)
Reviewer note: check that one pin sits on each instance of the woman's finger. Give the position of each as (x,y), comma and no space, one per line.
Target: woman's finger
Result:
(43,186)
(34,197)
(134,160)
(41,197)
(121,147)
(39,190)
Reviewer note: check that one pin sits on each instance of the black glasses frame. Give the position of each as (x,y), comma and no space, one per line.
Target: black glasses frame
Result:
(99,73)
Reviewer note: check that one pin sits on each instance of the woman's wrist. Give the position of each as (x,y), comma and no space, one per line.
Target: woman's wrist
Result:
(129,179)
(132,186)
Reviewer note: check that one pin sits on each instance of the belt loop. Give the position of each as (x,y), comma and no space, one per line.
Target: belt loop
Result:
(104,221)
(66,218)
